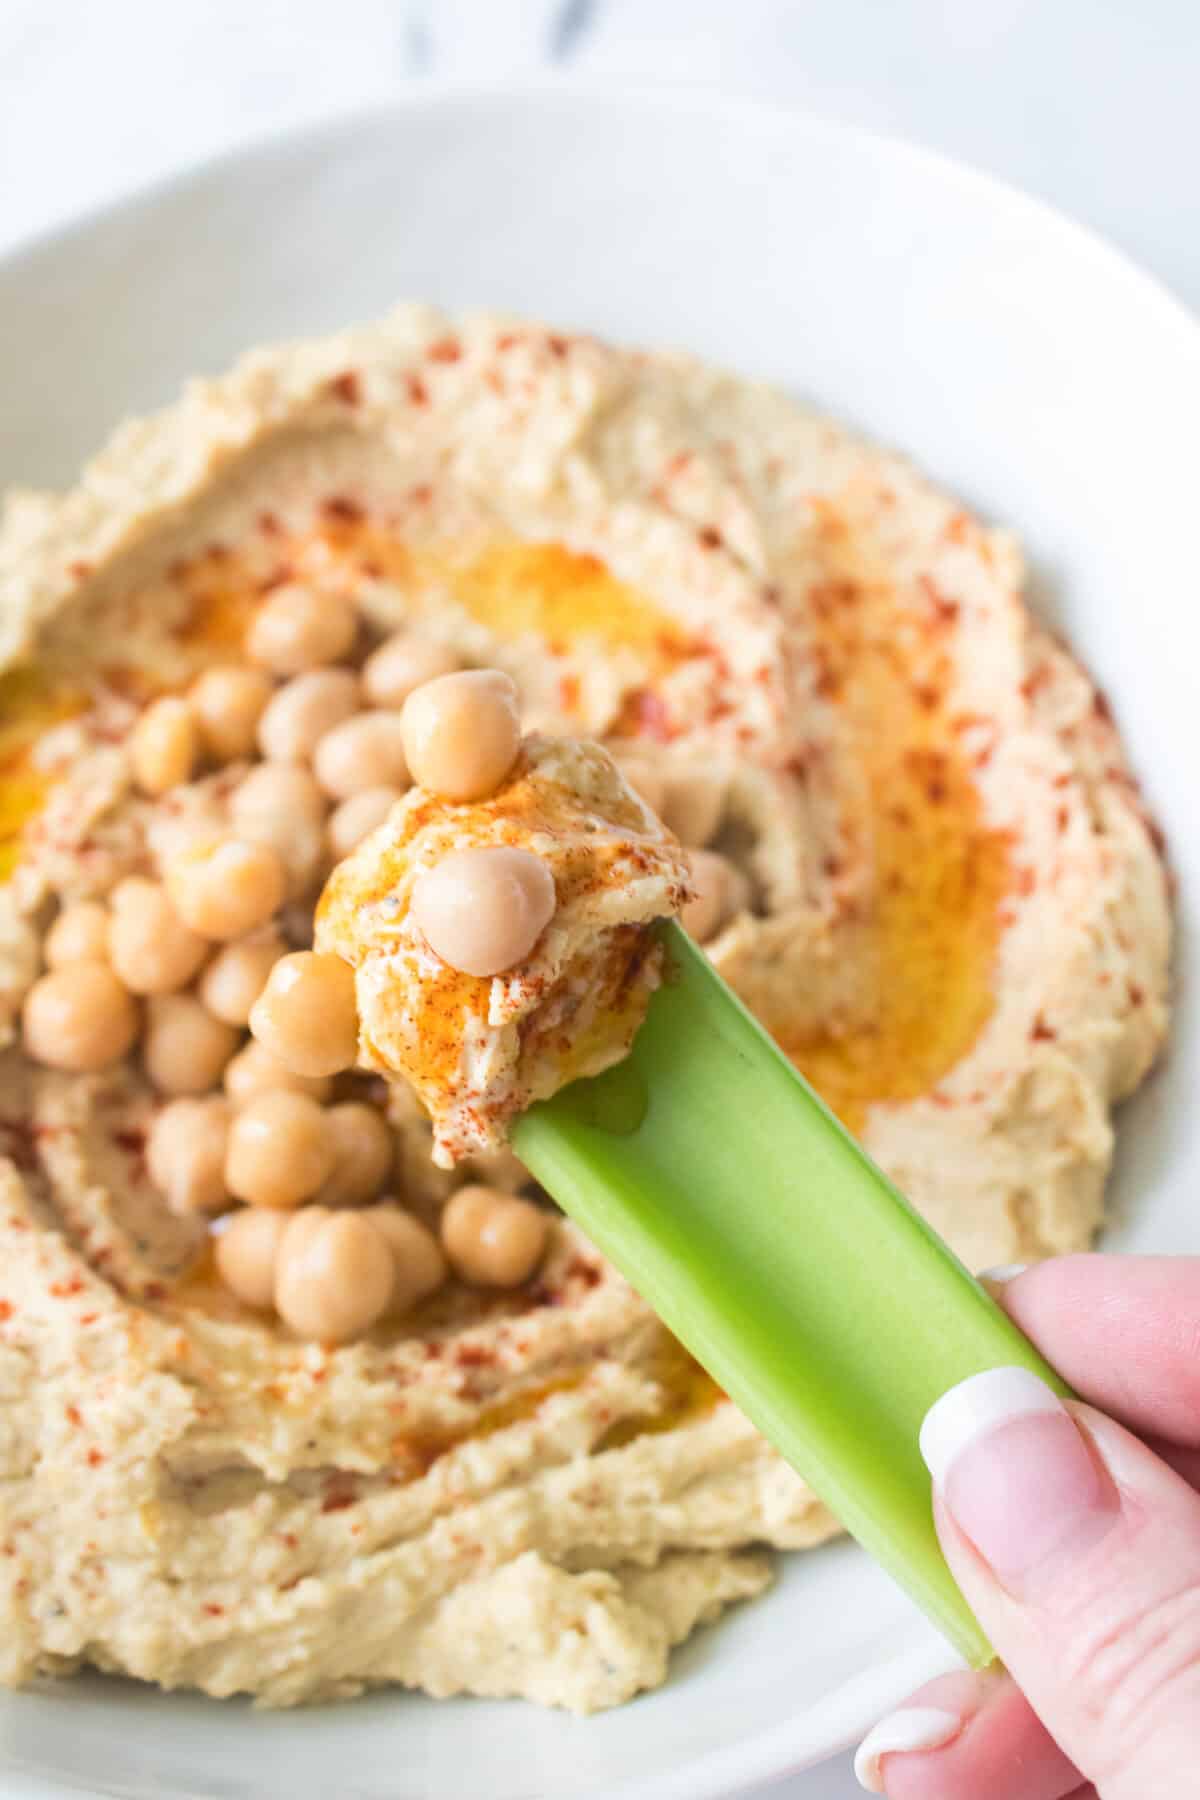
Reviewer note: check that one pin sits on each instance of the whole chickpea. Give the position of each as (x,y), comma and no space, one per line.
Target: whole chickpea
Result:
(255,1071)
(184,1048)
(334,1275)
(237,975)
(693,806)
(227,702)
(358,816)
(493,1239)
(228,888)
(280,805)
(420,1265)
(79,1017)
(307,1014)
(462,733)
(647,782)
(281,788)
(304,709)
(363,1149)
(402,663)
(185,1154)
(149,946)
(163,745)
(482,911)
(79,934)
(280,1150)
(500,1168)
(366,751)
(297,628)
(246,1253)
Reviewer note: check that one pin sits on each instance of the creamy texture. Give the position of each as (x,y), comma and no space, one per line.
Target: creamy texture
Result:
(478,1050)
(959,927)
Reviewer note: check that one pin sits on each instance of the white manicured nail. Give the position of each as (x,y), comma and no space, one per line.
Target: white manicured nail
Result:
(977,1407)
(1003,1272)
(912,1728)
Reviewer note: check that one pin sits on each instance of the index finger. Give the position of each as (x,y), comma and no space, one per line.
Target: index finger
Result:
(1123,1331)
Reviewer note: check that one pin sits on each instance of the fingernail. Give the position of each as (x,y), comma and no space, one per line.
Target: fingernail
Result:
(1014,1472)
(1003,1272)
(912,1728)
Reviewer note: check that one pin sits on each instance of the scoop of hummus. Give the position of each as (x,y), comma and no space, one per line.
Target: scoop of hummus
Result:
(954,916)
(478,1050)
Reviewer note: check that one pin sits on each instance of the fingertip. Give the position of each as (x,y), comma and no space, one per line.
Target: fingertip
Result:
(1000,1747)
(928,1720)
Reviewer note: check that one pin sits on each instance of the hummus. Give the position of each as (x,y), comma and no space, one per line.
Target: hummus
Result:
(957,925)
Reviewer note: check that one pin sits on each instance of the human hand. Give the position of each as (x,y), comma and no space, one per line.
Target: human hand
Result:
(1077,1543)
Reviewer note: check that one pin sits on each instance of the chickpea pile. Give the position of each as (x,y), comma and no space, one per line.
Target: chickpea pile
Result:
(269,1134)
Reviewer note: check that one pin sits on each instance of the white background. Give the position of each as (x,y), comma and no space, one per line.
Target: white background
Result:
(1091,103)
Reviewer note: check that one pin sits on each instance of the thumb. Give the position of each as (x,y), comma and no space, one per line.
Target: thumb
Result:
(1079,1551)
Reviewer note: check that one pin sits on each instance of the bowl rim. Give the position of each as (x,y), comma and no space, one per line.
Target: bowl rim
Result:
(434,93)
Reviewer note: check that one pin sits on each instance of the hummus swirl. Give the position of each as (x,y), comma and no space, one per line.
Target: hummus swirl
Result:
(953,914)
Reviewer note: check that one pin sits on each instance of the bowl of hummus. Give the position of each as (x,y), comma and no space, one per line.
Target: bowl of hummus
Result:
(833,709)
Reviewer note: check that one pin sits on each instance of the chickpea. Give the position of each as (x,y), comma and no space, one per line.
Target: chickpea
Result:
(357,817)
(278,788)
(307,1014)
(79,934)
(493,1239)
(693,806)
(149,946)
(255,1071)
(482,911)
(296,629)
(420,1265)
(184,1049)
(280,1150)
(281,806)
(227,888)
(363,1149)
(722,890)
(334,1276)
(647,782)
(163,745)
(303,1222)
(403,663)
(79,1017)
(462,733)
(228,702)
(304,709)
(185,1154)
(366,751)
(246,1253)
(499,1168)
(237,975)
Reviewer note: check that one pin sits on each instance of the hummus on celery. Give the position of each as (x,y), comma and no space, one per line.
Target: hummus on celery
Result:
(478,1050)
(950,908)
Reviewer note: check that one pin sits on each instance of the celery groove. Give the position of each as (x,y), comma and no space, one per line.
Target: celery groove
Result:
(708,1171)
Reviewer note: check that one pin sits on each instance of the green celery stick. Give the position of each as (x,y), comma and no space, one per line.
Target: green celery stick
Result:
(708,1171)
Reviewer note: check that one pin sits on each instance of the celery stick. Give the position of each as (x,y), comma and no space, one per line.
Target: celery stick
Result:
(709,1172)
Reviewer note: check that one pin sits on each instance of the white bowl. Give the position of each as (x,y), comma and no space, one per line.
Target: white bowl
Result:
(1023,363)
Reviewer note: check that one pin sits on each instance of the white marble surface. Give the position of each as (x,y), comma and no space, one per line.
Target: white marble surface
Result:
(1090,103)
